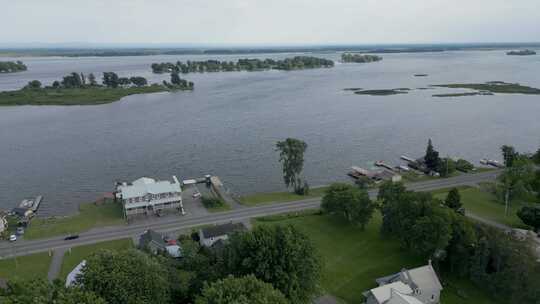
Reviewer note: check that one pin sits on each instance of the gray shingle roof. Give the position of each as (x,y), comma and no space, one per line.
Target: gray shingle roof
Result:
(224,229)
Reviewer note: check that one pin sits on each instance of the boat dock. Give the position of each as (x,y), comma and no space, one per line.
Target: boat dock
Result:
(382,164)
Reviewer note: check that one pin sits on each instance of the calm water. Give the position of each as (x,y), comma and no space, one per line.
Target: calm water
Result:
(228,126)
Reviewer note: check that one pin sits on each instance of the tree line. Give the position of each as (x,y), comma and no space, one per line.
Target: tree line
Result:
(359,58)
(494,260)
(109,80)
(208,66)
(269,264)
(12,66)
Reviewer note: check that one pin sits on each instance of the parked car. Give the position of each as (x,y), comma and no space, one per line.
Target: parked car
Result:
(12,238)
(196,195)
(71,237)
(20,230)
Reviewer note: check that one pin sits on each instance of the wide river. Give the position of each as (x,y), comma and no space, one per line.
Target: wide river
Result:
(229,125)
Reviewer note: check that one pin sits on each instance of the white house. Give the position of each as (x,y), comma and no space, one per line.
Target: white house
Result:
(146,195)
(416,286)
(210,235)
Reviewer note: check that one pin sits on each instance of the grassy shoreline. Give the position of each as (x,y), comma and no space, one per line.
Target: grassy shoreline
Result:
(74,96)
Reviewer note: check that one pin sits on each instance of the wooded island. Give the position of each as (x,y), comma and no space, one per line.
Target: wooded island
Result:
(81,89)
(12,66)
(208,66)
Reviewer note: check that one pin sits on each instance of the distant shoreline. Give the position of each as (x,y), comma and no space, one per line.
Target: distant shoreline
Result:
(152,51)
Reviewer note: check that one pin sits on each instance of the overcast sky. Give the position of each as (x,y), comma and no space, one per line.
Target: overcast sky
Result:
(269,21)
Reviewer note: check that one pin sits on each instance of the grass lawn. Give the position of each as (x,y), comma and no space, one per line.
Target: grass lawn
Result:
(82,252)
(484,204)
(89,216)
(224,207)
(353,259)
(281,197)
(26,267)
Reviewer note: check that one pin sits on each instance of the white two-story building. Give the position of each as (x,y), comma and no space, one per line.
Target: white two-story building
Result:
(148,196)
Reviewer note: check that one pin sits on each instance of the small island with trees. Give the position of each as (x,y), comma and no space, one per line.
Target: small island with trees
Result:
(209,66)
(488,88)
(521,53)
(359,58)
(81,89)
(12,66)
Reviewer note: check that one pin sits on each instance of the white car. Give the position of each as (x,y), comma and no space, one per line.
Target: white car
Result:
(12,238)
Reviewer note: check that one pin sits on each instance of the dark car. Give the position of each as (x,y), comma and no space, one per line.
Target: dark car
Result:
(71,237)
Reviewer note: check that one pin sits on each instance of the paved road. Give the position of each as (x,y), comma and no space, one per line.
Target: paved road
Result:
(181,223)
(56,264)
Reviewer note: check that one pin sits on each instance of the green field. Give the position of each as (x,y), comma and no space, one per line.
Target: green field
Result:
(353,259)
(485,205)
(76,96)
(79,253)
(26,267)
(279,197)
(89,216)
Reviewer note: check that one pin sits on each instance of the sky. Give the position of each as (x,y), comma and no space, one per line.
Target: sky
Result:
(268,22)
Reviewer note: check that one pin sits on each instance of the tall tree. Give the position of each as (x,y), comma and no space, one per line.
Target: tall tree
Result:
(516,179)
(92,79)
(244,290)
(291,155)
(110,79)
(125,277)
(432,157)
(175,78)
(453,200)
(350,202)
(509,155)
(279,255)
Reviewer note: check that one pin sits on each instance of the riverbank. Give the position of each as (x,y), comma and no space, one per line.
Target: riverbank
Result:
(74,96)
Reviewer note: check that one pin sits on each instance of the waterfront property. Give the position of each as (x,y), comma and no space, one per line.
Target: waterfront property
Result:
(148,196)
(416,286)
(219,233)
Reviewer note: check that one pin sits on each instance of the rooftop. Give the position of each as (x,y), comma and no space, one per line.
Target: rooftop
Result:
(224,229)
(145,185)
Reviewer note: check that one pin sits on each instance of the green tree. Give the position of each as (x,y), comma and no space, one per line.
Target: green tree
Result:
(291,155)
(509,155)
(139,81)
(530,216)
(279,255)
(515,181)
(33,85)
(350,202)
(464,166)
(175,78)
(40,291)
(432,157)
(92,79)
(431,234)
(125,277)
(453,200)
(110,79)
(447,166)
(244,290)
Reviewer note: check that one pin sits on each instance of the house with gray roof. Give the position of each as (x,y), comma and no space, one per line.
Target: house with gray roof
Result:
(155,243)
(210,236)
(148,196)
(415,286)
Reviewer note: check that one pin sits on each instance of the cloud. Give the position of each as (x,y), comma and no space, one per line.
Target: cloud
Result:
(269,21)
